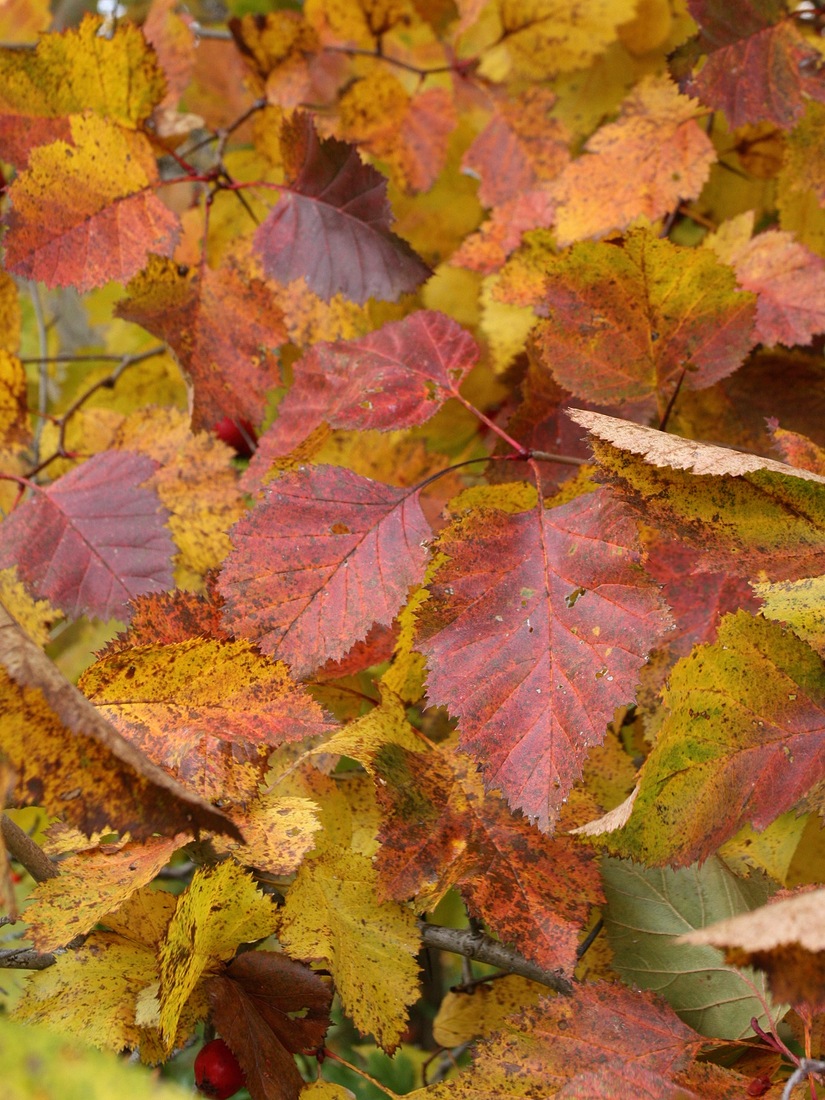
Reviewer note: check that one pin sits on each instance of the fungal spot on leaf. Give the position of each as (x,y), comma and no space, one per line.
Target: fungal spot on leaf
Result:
(575,595)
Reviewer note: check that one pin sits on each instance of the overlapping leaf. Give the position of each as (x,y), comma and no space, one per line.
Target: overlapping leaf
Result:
(94,539)
(601,1035)
(630,169)
(626,323)
(743,512)
(648,909)
(741,743)
(788,279)
(340,204)
(85,213)
(208,710)
(536,630)
(759,66)
(320,559)
(223,327)
(70,761)
(398,376)
(66,74)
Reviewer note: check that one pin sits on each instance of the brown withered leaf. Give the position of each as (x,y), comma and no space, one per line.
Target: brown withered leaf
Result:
(255,1005)
(70,760)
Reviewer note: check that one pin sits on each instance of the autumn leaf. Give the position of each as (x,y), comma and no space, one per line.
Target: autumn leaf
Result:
(528,608)
(740,743)
(91,993)
(94,539)
(91,885)
(336,199)
(84,213)
(540,39)
(629,323)
(623,1033)
(68,759)
(398,376)
(788,279)
(441,830)
(231,707)
(745,513)
(67,74)
(220,909)
(223,327)
(300,581)
(628,170)
(776,70)
(333,913)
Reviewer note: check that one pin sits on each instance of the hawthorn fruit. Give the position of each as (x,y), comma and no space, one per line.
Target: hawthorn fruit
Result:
(217,1071)
(237,434)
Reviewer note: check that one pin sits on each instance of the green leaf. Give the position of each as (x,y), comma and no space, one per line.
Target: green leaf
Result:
(649,908)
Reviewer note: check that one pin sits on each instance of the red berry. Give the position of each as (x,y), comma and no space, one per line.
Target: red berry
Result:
(237,434)
(217,1072)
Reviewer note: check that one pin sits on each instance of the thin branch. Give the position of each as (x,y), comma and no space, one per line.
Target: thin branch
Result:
(22,848)
(26,958)
(475,945)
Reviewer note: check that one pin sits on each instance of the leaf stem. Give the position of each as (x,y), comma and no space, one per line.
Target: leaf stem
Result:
(361,1073)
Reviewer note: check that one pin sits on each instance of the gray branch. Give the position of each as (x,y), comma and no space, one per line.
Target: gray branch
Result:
(475,945)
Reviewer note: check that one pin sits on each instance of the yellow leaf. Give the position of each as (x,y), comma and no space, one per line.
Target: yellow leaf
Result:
(91,885)
(34,616)
(81,70)
(10,313)
(479,1012)
(325,1090)
(221,909)
(14,413)
(278,833)
(333,914)
(90,993)
(537,39)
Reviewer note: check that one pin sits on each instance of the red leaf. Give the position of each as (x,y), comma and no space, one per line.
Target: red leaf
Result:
(393,378)
(332,227)
(541,621)
(94,539)
(455,834)
(320,559)
(756,72)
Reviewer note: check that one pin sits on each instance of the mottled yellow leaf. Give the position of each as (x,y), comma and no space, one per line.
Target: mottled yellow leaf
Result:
(82,70)
(10,313)
(34,616)
(92,884)
(221,908)
(333,914)
(278,833)
(14,418)
(537,39)
(800,604)
(465,1015)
